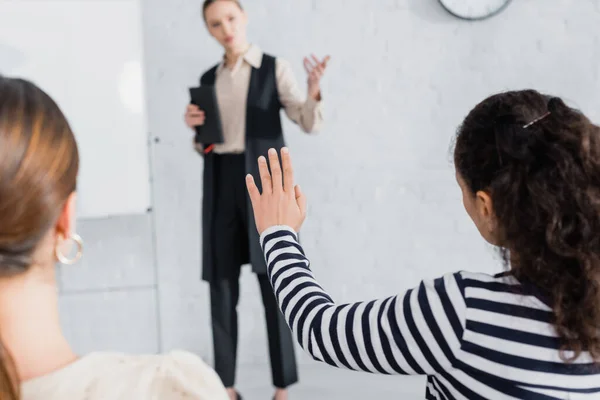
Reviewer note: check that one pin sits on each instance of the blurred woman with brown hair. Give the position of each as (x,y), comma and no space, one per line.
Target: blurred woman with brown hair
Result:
(39,163)
(252,88)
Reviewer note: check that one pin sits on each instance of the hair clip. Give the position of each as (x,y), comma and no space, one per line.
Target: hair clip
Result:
(536,120)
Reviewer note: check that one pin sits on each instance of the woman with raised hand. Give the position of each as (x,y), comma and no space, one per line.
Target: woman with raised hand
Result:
(528,167)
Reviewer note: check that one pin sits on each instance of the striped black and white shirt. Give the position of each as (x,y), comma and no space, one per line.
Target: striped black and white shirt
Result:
(476,336)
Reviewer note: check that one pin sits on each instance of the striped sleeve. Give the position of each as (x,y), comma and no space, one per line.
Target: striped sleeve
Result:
(418,332)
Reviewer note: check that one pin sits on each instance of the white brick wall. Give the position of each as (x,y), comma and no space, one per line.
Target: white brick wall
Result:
(385,211)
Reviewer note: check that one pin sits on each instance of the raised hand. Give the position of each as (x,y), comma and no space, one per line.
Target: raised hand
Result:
(281,202)
(315,70)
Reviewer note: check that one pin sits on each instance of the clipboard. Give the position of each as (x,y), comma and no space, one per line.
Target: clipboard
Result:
(205,97)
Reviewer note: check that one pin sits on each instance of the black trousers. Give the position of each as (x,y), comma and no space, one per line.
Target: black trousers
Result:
(231,252)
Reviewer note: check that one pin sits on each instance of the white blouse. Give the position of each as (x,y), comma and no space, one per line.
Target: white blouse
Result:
(232,92)
(115,376)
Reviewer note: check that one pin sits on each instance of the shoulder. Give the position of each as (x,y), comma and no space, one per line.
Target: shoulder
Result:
(174,375)
(458,287)
(281,66)
(180,374)
(184,361)
(281,63)
(448,288)
(283,70)
(209,74)
(467,281)
(470,280)
(266,57)
(177,375)
(502,289)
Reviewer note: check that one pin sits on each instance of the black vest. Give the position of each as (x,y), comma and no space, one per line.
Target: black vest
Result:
(263,131)
(263,109)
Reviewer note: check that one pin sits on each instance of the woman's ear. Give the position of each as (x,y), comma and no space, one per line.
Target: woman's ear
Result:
(485,209)
(483,204)
(65,225)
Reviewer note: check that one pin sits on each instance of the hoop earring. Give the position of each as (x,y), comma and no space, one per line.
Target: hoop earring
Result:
(70,261)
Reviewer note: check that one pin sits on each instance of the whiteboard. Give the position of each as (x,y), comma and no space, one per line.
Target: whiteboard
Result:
(88,56)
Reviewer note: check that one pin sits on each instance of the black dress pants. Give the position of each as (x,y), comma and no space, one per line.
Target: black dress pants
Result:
(231,251)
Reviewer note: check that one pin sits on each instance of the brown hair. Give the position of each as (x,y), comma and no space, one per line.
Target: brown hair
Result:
(207,3)
(544,182)
(39,162)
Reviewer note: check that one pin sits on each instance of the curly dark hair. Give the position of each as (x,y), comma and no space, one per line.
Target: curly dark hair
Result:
(544,182)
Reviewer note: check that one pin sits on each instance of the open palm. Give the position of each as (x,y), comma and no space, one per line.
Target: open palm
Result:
(315,69)
(281,202)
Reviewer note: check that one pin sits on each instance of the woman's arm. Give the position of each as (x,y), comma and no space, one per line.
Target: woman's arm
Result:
(414,333)
(304,110)
(418,332)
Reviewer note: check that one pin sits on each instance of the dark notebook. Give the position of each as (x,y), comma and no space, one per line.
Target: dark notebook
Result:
(211,132)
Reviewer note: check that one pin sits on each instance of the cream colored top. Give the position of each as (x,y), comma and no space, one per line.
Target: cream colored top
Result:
(231,86)
(114,376)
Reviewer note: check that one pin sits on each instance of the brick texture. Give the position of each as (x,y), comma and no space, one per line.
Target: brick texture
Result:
(385,210)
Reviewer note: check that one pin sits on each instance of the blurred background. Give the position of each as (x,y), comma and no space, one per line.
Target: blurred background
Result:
(384,207)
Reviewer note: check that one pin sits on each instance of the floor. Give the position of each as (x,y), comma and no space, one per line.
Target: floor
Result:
(320,382)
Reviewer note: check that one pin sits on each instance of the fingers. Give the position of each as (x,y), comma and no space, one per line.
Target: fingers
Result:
(315,68)
(288,171)
(194,115)
(317,73)
(315,59)
(300,200)
(276,177)
(193,110)
(253,191)
(277,181)
(315,76)
(194,121)
(265,176)
(316,62)
(308,66)
(322,65)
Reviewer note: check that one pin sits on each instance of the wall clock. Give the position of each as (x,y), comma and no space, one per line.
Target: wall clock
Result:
(474,9)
